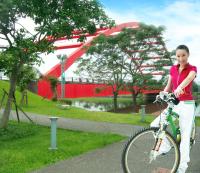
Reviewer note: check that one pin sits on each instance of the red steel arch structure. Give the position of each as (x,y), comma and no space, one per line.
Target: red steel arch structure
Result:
(80,89)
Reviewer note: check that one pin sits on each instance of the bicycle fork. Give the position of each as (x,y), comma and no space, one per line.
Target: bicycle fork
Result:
(155,151)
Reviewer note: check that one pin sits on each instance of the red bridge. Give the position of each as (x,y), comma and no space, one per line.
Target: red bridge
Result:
(73,90)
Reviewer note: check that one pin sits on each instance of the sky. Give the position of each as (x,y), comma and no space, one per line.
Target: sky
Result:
(181,19)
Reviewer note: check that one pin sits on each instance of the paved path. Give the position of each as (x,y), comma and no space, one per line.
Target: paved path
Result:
(105,160)
(81,125)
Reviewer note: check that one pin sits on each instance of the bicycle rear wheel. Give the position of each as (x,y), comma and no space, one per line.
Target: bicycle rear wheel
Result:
(136,154)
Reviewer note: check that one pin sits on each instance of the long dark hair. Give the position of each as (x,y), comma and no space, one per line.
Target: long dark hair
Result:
(184,47)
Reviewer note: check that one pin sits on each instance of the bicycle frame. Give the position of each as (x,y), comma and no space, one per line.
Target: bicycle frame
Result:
(170,120)
(164,125)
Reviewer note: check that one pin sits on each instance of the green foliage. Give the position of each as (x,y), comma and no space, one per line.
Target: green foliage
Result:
(66,101)
(7,62)
(65,16)
(13,132)
(99,89)
(119,60)
(140,45)
(55,18)
(103,62)
(195,87)
(27,74)
(53,82)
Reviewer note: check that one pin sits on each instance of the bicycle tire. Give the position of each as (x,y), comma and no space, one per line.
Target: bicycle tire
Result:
(132,139)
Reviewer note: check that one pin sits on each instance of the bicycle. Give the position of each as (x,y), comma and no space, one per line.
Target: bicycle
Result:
(143,149)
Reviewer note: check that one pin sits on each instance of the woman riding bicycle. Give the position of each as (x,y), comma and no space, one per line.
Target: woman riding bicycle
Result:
(180,83)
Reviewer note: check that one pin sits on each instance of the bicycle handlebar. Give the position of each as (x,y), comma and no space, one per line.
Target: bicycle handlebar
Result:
(167,97)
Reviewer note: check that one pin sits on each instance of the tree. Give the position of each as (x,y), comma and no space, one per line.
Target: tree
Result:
(145,51)
(122,58)
(195,87)
(56,18)
(26,75)
(53,83)
(104,63)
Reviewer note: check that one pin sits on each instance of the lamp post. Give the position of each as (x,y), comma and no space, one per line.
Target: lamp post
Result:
(62,59)
(142,113)
(53,133)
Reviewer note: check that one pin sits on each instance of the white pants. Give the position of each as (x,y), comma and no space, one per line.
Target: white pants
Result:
(185,110)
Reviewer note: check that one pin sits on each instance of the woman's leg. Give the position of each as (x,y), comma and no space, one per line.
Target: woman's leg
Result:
(186,120)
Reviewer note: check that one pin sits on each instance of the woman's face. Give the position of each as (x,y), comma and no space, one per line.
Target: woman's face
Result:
(182,56)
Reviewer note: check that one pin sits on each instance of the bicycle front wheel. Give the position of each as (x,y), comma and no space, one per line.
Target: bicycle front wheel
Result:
(137,151)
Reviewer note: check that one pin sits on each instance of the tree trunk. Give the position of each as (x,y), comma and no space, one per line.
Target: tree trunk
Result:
(134,97)
(115,94)
(5,117)
(55,95)
(24,98)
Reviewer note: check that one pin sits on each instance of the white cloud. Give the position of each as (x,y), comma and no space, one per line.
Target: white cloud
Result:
(182,22)
(122,17)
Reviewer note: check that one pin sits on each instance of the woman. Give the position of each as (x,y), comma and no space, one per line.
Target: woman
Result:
(180,83)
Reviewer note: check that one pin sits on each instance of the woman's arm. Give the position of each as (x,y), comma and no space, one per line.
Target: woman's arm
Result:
(185,83)
(191,76)
(169,85)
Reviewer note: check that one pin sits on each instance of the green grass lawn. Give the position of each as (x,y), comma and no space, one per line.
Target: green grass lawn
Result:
(38,105)
(43,106)
(24,147)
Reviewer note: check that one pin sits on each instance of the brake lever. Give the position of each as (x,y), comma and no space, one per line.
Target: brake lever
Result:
(157,100)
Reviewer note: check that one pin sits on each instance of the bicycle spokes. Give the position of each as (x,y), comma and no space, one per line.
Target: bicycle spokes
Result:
(145,153)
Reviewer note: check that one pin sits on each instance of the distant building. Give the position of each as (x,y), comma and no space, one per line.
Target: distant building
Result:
(3,77)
